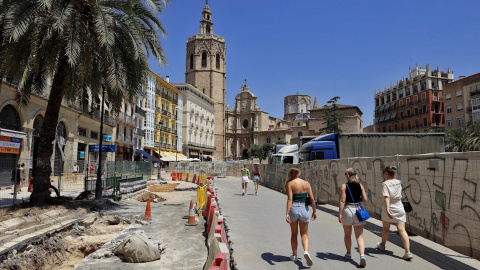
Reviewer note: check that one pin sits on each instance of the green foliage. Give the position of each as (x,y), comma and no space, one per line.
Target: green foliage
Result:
(332,119)
(463,139)
(259,151)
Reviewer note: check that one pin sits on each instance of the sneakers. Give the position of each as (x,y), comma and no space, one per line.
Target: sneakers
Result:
(243,193)
(307,257)
(408,256)
(348,256)
(363,262)
(256,193)
(293,258)
(379,246)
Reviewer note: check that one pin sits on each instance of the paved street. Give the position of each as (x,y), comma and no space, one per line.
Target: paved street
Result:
(261,237)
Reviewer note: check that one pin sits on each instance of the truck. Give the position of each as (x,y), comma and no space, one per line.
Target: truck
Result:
(286,154)
(346,145)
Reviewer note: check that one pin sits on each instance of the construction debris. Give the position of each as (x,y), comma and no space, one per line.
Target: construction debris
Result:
(152,196)
(138,248)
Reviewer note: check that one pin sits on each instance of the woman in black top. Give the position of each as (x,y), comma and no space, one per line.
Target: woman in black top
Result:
(347,216)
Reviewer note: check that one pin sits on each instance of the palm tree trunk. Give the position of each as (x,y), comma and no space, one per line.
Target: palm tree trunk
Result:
(41,174)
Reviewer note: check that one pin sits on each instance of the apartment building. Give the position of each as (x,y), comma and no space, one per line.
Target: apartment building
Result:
(462,101)
(413,104)
(167,112)
(198,122)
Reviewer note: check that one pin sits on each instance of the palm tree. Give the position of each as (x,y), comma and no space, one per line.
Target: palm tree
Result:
(70,47)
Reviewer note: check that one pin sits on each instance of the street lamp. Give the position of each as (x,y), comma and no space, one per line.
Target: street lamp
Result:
(98,186)
(176,153)
(159,145)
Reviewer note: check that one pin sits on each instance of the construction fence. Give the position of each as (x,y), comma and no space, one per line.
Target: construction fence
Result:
(71,177)
(442,189)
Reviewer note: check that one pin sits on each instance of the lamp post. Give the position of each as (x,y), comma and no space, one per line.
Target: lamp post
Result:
(98,186)
(159,150)
(176,153)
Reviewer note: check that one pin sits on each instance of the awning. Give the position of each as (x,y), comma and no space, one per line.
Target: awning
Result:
(13,133)
(387,117)
(381,118)
(393,104)
(393,115)
(147,155)
(376,119)
(156,152)
(381,108)
(387,106)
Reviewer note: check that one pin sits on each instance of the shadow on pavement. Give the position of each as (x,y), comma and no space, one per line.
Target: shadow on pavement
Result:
(335,257)
(432,256)
(272,259)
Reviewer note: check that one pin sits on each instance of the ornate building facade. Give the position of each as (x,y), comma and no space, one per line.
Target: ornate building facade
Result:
(247,124)
(205,69)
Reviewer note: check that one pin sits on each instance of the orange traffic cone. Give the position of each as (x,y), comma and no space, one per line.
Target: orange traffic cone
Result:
(148,213)
(191,207)
(191,217)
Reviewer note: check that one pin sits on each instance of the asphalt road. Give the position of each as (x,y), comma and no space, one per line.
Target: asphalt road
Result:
(261,237)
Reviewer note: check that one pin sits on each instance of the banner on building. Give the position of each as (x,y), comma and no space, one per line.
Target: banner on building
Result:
(9,145)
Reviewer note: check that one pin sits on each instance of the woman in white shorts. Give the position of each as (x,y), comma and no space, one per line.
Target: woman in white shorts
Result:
(347,216)
(393,211)
(245,174)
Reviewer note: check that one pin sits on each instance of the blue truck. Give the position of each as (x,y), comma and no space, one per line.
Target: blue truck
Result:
(346,145)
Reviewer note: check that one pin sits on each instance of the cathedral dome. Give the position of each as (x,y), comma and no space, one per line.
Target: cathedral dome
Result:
(300,117)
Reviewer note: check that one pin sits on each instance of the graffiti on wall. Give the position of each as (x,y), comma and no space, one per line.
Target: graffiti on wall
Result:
(442,189)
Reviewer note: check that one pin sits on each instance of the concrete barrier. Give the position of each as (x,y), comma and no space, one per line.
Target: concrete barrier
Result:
(220,262)
(217,246)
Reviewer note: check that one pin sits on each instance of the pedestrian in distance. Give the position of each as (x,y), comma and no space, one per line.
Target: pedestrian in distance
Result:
(22,176)
(15,178)
(299,193)
(393,211)
(245,179)
(76,168)
(256,177)
(347,213)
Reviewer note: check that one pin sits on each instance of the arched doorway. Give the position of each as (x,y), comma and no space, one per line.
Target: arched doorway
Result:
(37,127)
(245,154)
(59,149)
(9,119)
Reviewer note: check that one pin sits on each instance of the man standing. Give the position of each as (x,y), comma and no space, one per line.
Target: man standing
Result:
(15,177)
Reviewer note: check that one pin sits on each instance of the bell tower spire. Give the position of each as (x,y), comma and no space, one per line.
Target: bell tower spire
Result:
(206,22)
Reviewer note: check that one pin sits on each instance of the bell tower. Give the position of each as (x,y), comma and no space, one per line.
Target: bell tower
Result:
(206,70)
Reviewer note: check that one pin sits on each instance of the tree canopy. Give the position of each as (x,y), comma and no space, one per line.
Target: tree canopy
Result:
(332,119)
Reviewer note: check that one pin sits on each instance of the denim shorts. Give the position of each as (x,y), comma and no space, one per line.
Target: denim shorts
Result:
(256,178)
(299,212)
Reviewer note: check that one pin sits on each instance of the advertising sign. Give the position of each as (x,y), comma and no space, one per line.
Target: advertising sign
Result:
(107,138)
(9,145)
(105,148)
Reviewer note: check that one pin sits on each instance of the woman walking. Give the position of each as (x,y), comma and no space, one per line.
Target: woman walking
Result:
(393,211)
(245,174)
(347,216)
(256,178)
(298,192)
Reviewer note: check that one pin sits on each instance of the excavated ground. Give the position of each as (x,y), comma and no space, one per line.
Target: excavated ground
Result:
(64,249)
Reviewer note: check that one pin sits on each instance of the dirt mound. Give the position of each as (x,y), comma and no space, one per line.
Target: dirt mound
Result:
(66,248)
(163,187)
(152,196)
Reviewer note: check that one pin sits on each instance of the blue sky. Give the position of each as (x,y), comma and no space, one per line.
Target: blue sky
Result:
(326,48)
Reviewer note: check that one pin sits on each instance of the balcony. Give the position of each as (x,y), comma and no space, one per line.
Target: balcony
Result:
(140,132)
(140,111)
(157,110)
(198,145)
(107,119)
(437,99)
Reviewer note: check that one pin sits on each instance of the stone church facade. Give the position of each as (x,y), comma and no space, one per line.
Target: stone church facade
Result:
(205,69)
(247,124)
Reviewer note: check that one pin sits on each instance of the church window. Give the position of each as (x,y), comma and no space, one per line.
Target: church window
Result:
(208,29)
(245,123)
(204,59)
(217,61)
(191,61)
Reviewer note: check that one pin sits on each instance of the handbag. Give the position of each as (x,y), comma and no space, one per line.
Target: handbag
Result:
(406,205)
(361,212)
(308,202)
